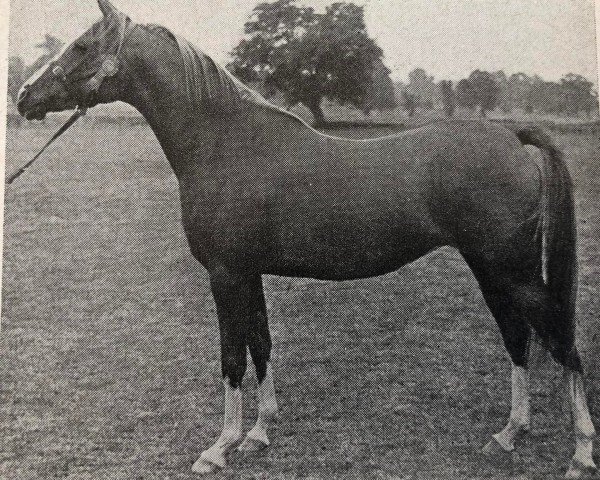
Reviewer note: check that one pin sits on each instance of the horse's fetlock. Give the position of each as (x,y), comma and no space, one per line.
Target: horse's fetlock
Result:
(230,436)
(519,424)
(270,415)
(234,369)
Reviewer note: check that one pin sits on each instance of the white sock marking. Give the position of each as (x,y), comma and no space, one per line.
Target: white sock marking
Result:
(582,422)
(267,408)
(520,410)
(231,434)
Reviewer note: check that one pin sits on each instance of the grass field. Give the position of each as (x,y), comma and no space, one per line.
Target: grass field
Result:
(109,352)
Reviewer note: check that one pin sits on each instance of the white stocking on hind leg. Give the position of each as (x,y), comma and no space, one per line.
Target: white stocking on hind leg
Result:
(582,463)
(519,419)
(259,344)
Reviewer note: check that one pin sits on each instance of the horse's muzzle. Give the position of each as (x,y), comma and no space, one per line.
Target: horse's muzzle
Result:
(32,112)
(29,108)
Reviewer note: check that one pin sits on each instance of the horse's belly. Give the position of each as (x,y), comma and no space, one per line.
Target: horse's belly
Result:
(337,253)
(337,226)
(359,266)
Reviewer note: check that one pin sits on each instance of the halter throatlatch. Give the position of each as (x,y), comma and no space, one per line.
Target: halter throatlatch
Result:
(109,68)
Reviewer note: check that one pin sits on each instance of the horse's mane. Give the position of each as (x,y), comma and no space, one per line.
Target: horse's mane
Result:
(207,82)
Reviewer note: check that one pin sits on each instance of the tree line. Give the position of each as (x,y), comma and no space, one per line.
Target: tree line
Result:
(305,57)
(486,91)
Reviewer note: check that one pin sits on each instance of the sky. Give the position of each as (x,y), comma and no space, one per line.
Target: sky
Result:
(448,38)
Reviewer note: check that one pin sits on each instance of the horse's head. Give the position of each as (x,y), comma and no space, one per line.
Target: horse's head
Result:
(84,74)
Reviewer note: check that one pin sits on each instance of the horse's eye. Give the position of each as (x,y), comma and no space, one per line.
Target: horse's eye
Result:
(82,47)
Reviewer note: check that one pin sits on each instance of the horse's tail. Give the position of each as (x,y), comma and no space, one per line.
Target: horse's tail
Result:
(558,230)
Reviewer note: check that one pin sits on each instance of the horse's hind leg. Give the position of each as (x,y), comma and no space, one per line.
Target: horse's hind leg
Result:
(582,462)
(519,419)
(519,299)
(509,311)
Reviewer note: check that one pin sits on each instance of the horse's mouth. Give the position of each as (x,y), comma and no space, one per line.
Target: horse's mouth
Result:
(37,112)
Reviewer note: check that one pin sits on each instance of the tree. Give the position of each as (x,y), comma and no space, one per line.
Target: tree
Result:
(410,102)
(593,107)
(465,94)
(487,91)
(480,89)
(380,94)
(448,97)
(503,90)
(547,97)
(577,92)
(422,87)
(309,56)
(519,94)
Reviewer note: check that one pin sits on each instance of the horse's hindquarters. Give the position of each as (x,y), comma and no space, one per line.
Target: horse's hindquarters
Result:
(486,194)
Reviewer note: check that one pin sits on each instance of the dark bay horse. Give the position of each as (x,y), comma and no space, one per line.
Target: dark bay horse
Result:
(263,193)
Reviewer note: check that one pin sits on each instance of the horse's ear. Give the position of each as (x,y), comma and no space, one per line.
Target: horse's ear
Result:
(106,7)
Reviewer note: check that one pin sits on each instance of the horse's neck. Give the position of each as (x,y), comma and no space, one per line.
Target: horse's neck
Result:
(184,133)
(197,139)
(189,137)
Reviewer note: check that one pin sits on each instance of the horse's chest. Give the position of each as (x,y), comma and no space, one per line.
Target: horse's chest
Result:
(221,218)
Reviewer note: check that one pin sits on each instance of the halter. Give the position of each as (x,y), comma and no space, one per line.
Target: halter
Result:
(109,68)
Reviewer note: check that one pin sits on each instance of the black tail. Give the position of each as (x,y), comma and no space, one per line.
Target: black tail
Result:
(558,228)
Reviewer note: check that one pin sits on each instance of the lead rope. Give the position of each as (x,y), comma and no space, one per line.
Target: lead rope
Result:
(80,112)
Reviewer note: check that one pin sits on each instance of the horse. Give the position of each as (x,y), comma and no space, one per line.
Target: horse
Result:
(263,193)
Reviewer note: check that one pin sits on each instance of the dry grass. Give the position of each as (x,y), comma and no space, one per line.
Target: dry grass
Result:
(109,361)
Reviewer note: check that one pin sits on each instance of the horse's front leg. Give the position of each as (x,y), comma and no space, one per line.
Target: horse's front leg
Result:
(259,343)
(234,298)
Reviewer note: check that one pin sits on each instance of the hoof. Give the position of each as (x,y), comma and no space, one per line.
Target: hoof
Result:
(202,467)
(250,445)
(210,461)
(579,470)
(493,447)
